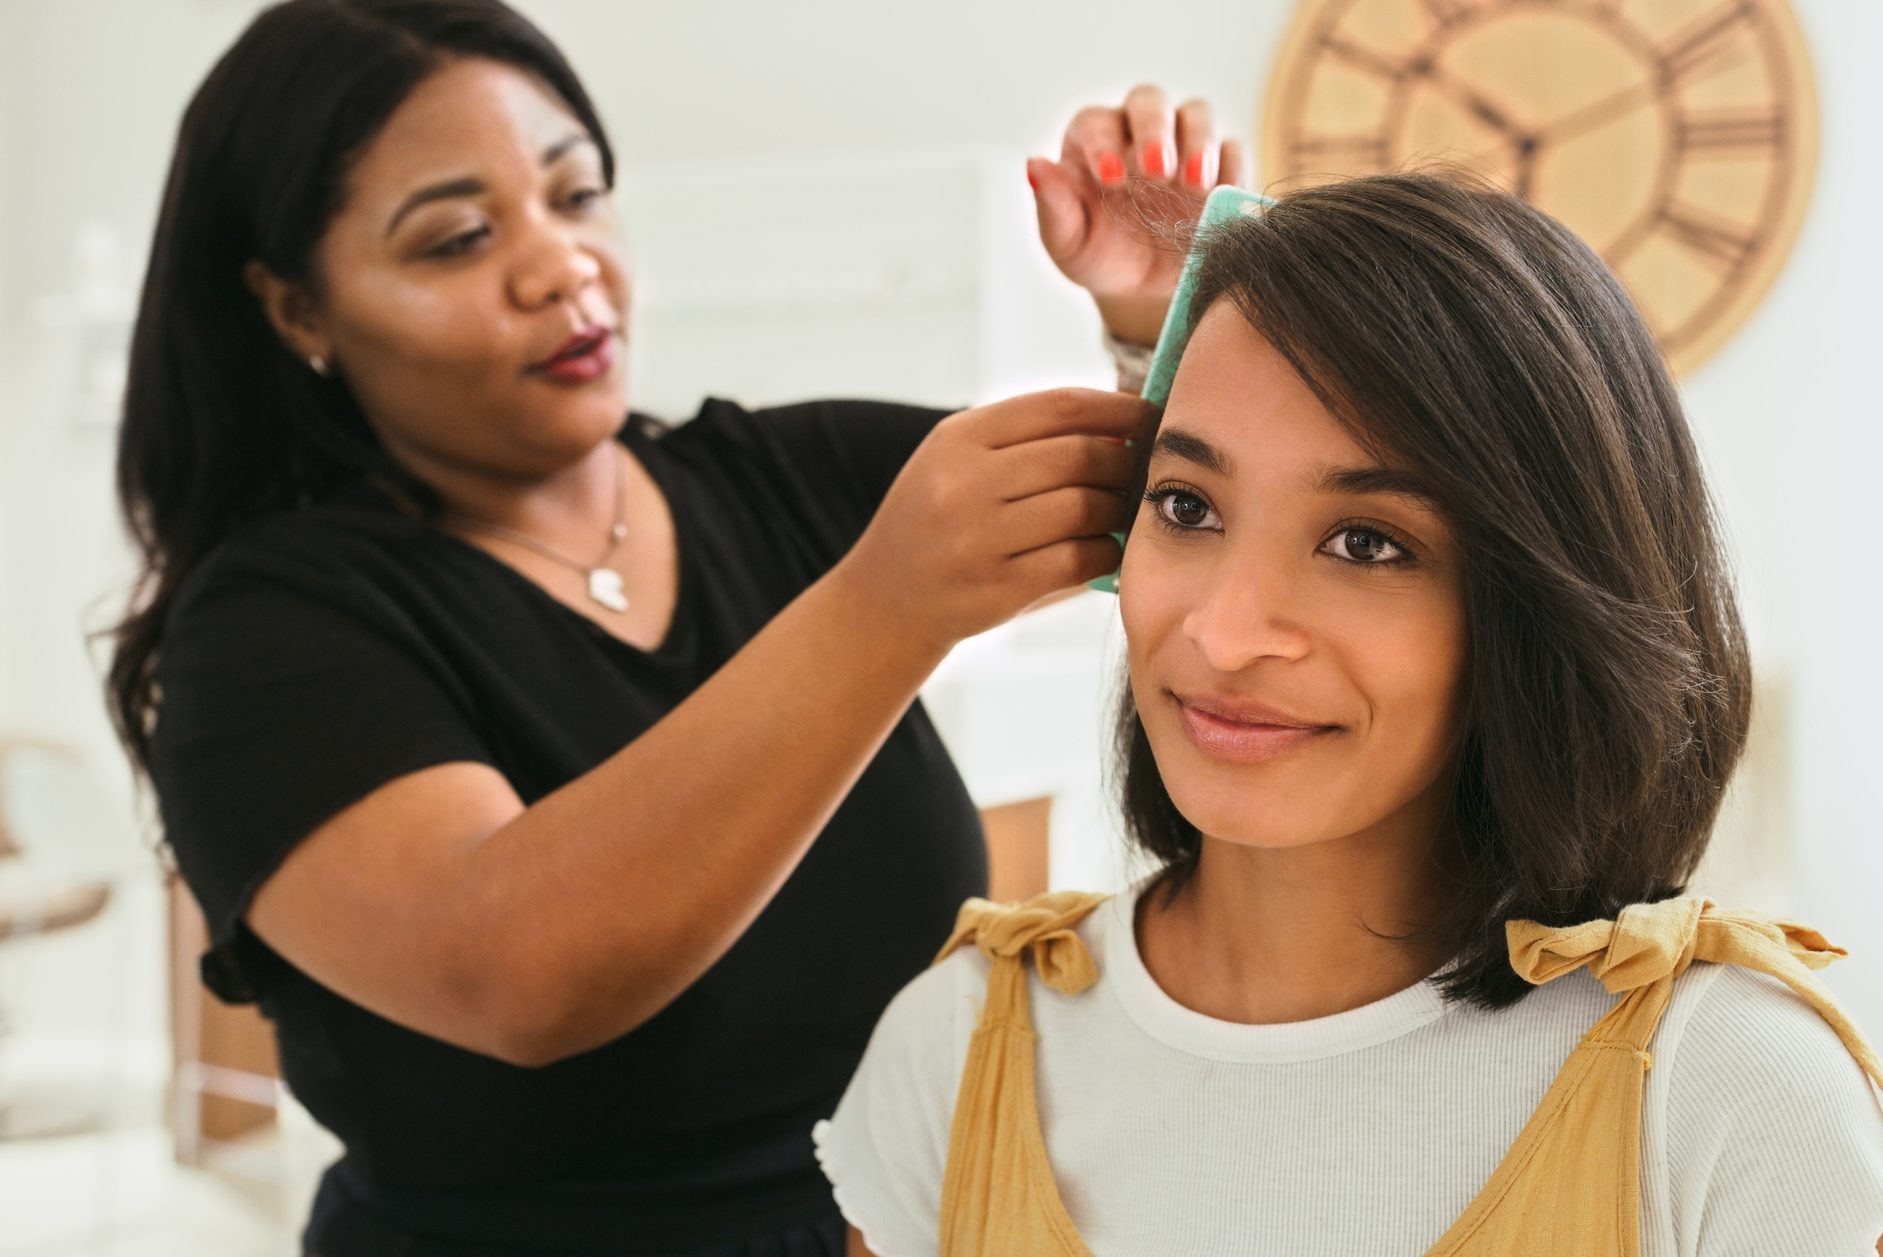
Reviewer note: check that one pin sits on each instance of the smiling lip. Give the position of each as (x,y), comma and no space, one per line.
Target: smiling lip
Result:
(587,355)
(1243,733)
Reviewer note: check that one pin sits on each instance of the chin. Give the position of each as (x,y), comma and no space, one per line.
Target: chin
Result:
(571,431)
(1272,805)
(1255,818)
(606,407)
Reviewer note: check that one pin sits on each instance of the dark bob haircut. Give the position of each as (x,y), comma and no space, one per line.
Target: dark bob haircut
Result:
(1465,337)
(221,421)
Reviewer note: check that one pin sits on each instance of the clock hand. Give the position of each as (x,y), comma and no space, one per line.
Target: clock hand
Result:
(1604,110)
(1526,168)
(1479,106)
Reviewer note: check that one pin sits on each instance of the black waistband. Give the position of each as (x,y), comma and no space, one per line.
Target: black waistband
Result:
(767,1193)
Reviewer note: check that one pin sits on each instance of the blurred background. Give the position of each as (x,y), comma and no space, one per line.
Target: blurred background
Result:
(828,198)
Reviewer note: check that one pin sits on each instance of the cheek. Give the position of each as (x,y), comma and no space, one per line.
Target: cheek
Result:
(440,325)
(1409,665)
(1153,595)
(427,361)
(617,271)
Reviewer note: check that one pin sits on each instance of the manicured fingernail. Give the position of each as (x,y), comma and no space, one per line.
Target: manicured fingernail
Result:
(1193,170)
(1155,164)
(1033,180)
(1111,167)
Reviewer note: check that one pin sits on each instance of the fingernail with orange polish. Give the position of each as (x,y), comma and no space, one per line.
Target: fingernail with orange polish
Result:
(1154,161)
(1111,167)
(1193,170)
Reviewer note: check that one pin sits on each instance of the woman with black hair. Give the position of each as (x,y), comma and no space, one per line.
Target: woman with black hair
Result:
(556,786)
(1436,680)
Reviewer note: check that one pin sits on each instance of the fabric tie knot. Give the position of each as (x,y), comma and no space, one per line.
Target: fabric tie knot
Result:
(1643,944)
(1043,926)
(1651,941)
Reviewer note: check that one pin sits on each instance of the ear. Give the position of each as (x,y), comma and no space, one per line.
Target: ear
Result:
(290,311)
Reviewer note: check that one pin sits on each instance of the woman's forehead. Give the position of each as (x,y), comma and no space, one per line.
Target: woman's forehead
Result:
(472,118)
(1239,396)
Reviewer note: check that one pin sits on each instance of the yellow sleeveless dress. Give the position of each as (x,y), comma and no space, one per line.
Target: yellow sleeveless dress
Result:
(1550,1197)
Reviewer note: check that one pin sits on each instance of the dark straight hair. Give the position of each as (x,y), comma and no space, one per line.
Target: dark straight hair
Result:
(1465,337)
(221,421)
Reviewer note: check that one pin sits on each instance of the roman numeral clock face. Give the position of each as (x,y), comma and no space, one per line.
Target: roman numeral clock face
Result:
(1677,137)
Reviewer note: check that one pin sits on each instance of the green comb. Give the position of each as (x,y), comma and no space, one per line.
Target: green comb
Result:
(1224,204)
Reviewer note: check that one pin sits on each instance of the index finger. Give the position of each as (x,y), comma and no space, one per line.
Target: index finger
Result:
(1095,145)
(1059,411)
(1197,144)
(1153,130)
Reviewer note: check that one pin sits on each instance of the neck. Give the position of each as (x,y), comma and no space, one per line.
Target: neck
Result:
(570,508)
(1264,935)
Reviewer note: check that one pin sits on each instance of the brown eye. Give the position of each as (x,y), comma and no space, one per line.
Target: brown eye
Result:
(1367,546)
(1189,510)
(1182,511)
(459,244)
(1364,545)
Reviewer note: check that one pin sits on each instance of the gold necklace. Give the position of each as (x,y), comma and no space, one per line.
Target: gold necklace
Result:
(604,583)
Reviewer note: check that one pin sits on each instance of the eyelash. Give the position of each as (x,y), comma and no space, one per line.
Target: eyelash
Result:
(1164,493)
(579,201)
(458,244)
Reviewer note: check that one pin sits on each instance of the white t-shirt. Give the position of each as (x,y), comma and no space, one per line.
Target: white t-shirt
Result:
(1367,1133)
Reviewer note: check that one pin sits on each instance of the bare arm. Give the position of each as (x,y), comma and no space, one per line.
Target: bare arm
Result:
(532,934)
(853,1245)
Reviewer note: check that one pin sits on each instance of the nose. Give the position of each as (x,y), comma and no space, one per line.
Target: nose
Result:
(1248,609)
(553,267)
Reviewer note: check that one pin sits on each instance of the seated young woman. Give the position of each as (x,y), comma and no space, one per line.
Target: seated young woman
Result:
(1436,680)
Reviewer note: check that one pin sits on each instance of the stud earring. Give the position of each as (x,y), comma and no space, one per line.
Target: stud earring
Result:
(319,364)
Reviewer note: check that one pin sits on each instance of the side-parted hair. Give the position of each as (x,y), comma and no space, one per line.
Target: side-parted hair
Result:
(221,421)
(1463,336)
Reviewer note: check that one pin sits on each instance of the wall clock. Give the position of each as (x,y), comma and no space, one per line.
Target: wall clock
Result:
(1678,137)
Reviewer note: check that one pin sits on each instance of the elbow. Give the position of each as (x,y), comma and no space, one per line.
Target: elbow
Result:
(537,997)
(484,1005)
(537,1043)
(522,1041)
(528,1051)
(535,1021)
(533,1028)
(527,1042)
(511,998)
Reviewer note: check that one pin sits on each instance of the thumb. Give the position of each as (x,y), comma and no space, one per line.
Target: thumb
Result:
(1064,219)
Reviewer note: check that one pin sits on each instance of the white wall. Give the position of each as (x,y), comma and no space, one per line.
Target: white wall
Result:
(90,91)
(1805,380)
(90,96)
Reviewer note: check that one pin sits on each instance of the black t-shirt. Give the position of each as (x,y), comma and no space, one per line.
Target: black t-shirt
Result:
(322,652)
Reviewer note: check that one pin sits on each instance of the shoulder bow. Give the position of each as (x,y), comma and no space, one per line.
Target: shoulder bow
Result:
(1042,927)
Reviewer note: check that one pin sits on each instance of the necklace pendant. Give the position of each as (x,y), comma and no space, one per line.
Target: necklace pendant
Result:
(604,587)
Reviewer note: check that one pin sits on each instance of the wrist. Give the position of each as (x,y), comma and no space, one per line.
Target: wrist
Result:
(1132,362)
(1134,319)
(884,626)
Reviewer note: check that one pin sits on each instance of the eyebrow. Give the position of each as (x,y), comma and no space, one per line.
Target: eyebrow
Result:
(1359,481)
(1193,449)
(472,186)
(1351,481)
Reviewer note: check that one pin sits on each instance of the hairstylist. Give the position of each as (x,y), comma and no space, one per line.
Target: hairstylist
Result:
(556,784)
